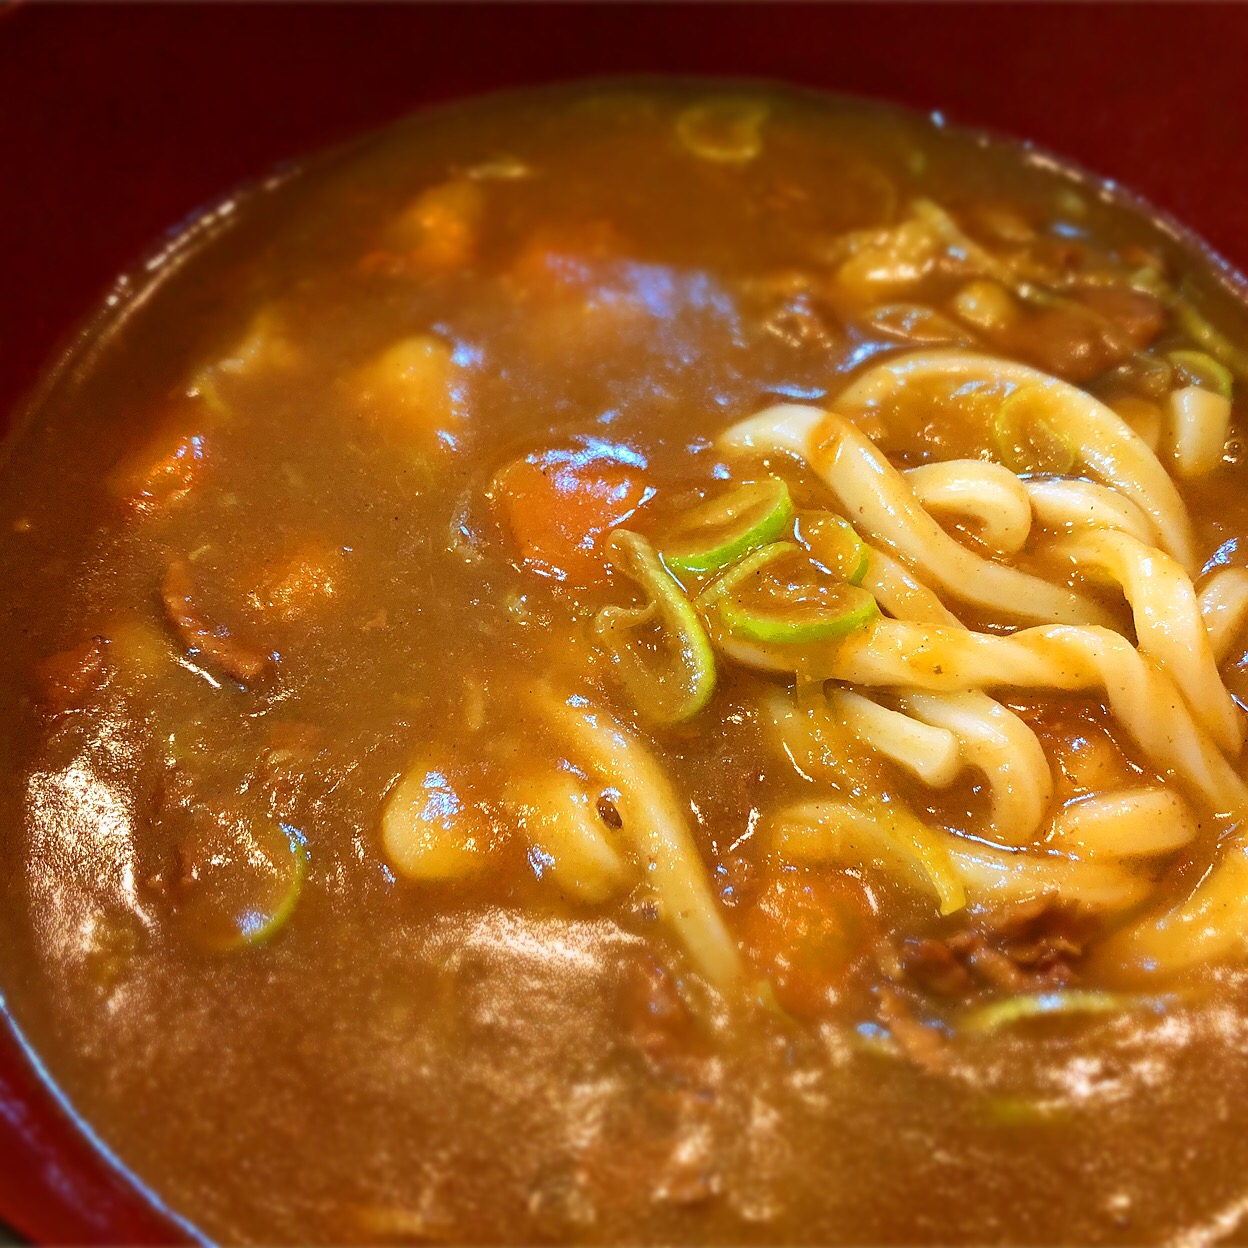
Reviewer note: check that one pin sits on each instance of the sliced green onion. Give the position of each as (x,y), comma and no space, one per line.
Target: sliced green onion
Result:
(985,1019)
(723,585)
(249,886)
(1211,338)
(660,650)
(1025,440)
(722,530)
(1198,368)
(787,599)
(832,543)
(726,130)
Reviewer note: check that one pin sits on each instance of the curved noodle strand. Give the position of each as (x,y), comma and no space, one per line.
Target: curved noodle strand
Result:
(1209,925)
(655,824)
(1126,823)
(928,751)
(1223,602)
(816,745)
(1073,503)
(900,655)
(987,494)
(878,500)
(836,832)
(902,594)
(1107,445)
(996,742)
(1168,623)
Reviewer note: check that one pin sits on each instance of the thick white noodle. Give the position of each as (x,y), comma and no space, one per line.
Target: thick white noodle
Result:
(895,654)
(1072,503)
(878,501)
(1200,420)
(991,497)
(1107,446)
(835,832)
(902,594)
(931,754)
(1000,745)
(1142,822)
(1168,623)
(815,743)
(1209,925)
(655,826)
(1224,608)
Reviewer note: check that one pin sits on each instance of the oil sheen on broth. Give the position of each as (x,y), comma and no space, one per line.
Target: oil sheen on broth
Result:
(644,663)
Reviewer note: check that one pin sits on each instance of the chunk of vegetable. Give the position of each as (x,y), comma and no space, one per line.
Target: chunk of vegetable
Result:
(295,587)
(430,832)
(1025,440)
(723,529)
(569,843)
(1211,338)
(439,228)
(660,650)
(782,597)
(163,471)
(803,931)
(409,389)
(558,504)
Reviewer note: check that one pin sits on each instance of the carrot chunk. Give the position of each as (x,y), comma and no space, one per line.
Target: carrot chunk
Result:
(163,471)
(804,932)
(65,680)
(294,588)
(557,505)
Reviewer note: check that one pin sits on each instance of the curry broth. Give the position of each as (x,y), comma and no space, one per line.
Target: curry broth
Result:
(250,582)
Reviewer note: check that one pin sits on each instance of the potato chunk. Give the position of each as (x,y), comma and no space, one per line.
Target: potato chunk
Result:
(430,830)
(410,391)
(438,229)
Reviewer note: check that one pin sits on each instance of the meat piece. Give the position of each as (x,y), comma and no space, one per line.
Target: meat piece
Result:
(1020,947)
(989,966)
(924,1045)
(240,661)
(1092,332)
(64,681)
(1038,933)
(658,1023)
(934,967)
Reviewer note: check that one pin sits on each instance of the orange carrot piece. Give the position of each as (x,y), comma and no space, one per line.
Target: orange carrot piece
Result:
(558,505)
(163,471)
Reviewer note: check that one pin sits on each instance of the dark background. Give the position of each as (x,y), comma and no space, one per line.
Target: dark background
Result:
(117,121)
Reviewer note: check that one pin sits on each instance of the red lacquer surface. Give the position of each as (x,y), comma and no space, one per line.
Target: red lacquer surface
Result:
(116,122)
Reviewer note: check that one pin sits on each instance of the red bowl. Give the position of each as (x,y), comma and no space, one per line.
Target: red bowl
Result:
(120,120)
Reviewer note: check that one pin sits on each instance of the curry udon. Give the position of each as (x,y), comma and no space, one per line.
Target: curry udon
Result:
(650,662)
